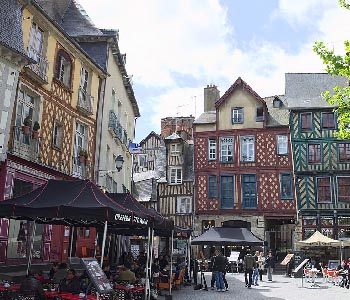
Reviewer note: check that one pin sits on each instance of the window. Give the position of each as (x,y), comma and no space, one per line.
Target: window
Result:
(306,121)
(259,114)
(174,149)
(237,115)
(175,175)
(227,196)
(57,135)
(249,191)
(226,149)
(184,205)
(212,149)
(212,186)
(344,152)
(80,138)
(314,153)
(286,186)
(84,80)
(247,148)
(63,68)
(328,120)
(343,184)
(282,144)
(142,160)
(323,189)
(36,41)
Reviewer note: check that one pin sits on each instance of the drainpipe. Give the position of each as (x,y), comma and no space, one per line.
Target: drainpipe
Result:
(26,4)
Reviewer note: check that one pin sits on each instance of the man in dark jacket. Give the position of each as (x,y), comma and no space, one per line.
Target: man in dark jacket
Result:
(32,287)
(249,265)
(70,284)
(270,265)
(219,267)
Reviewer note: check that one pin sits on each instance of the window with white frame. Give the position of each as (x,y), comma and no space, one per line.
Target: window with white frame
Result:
(226,149)
(237,115)
(247,148)
(36,42)
(142,160)
(84,81)
(183,205)
(175,175)
(174,149)
(212,149)
(282,144)
(80,138)
(64,68)
(57,135)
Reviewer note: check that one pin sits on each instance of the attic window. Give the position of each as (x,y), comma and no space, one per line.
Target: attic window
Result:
(277,103)
(259,114)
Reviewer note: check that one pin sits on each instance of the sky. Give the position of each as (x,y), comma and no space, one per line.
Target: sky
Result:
(175,48)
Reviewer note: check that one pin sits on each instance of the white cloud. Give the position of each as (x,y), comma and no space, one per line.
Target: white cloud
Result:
(195,39)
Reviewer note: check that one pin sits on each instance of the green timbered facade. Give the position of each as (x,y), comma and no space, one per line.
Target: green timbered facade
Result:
(321,162)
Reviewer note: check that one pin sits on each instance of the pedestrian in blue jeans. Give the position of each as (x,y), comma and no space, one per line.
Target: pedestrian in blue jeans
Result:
(219,267)
(256,269)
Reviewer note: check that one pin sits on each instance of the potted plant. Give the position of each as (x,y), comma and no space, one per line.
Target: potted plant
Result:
(82,156)
(26,125)
(36,128)
(86,156)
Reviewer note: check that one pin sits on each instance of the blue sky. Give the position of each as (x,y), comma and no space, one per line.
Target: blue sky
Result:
(175,48)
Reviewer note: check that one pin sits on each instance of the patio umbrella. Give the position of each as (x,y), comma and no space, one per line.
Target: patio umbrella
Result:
(318,239)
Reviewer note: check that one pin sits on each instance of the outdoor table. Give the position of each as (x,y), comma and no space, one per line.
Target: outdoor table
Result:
(313,274)
(126,292)
(67,296)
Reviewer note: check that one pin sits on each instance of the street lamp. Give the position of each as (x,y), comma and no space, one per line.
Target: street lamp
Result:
(119,162)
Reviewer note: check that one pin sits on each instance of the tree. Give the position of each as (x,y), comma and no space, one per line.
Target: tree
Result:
(338,65)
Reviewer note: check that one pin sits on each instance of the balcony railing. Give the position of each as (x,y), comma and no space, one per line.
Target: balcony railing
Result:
(117,129)
(24,145)
(42,64)
(80,169)
(85,102)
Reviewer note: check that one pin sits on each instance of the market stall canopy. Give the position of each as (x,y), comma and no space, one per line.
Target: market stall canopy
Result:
(129,202)
(228,236)
(73,202)
(318,239)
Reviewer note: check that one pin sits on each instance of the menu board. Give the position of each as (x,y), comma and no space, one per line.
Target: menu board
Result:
(97,276)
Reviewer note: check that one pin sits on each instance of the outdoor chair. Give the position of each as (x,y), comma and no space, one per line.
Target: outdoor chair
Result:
(333,276)
(307,275)
(166,285)
(180,280)
(325,274)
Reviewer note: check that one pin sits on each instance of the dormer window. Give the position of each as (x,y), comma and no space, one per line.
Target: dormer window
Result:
(237,115)
(174,149)
(259,114)
(277,103)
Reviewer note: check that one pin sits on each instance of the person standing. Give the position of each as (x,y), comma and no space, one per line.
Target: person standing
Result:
(249,265)
(261,263)
(219,267)
(256,269)
(270,265)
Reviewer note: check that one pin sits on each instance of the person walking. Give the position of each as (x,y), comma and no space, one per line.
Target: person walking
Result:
(270,265)
(261,263)
(249,265)
(219,267)
(256,269)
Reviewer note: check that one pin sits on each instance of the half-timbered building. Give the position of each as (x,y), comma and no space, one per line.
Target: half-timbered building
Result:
(321,162)
(243,164)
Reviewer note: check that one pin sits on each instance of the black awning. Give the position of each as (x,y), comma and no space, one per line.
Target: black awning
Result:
(228,237)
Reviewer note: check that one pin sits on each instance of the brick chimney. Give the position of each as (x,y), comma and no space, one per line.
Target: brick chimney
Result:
(211,95)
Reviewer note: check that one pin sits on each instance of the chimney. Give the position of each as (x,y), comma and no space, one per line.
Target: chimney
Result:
(211,95)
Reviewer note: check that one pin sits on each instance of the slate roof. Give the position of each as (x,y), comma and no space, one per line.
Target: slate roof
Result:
(208,117)
(276,116)
(303,90)
(173,136)
(11,35)
(98,51)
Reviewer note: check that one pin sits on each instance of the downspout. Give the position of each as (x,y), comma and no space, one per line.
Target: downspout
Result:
(25,5)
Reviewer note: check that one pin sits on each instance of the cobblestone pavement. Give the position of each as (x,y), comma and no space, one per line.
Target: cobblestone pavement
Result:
(280,288)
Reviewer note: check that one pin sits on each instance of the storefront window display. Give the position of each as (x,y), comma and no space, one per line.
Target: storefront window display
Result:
(344,233)
(310,221)
(327,221)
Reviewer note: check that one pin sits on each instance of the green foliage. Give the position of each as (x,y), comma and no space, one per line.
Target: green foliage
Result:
(36,126)
(338,65)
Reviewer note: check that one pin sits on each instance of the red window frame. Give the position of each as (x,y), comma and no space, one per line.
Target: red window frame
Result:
(314,156)
(328,120)
(306,121)
(344,152)
(324,190)
(343,189)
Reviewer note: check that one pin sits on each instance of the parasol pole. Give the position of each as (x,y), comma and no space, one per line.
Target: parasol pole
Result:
(189,258)
(147,284)
(71,242)
(31,248)
(171,260)
(103,243)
